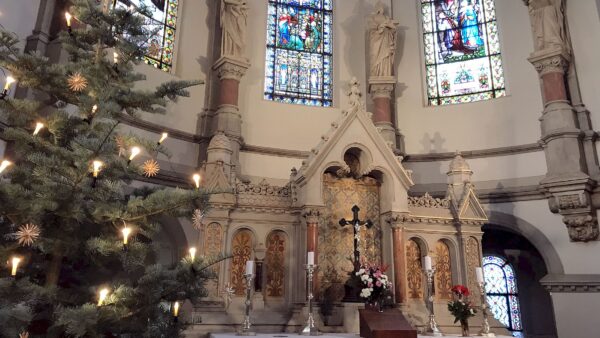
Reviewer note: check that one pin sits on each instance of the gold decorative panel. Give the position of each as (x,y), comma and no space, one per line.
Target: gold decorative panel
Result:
(241,249)
(275,264)
(443,271)
(414,270)
(473,261)
(336,243)
(213,246)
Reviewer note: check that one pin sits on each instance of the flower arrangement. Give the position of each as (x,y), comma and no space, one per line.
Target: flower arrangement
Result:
(375,283)
(461,308)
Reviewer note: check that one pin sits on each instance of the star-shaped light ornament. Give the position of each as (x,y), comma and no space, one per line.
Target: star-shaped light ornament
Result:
(77,82)
(197,218)
(24,335)
(150,168)
(227,295)
(27,234)
(121,145)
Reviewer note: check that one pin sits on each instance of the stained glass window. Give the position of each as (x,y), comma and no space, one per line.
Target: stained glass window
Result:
(162,22)
(462,51)
(502,293)
(299,61)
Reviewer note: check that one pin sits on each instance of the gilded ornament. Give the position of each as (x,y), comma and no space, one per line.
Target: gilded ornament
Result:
(27,234)
(77,82)
(150,168)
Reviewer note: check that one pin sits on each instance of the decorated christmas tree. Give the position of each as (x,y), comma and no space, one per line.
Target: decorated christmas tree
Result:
(79,241)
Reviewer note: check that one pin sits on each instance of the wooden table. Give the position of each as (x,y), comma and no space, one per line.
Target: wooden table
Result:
(387,324)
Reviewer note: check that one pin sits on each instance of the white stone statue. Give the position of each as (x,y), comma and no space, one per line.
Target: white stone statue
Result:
(547,23)
(355,95)
(234,14)
(382,42)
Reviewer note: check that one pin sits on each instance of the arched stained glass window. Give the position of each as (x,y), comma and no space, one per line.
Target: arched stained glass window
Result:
(462,51)
(162,21)
(502,293)
(299,61)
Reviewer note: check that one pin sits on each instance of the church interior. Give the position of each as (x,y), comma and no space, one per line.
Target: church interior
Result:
(462,130)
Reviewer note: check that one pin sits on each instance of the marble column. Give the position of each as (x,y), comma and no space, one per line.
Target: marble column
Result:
(399,255)
(228,119)
(312,240)
(567,182)
(381,89)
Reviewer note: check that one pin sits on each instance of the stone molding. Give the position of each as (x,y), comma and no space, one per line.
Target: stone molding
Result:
(550,61)
(312,215)
(263,195)
(231,68)
(382,87)
(427,201)
(571,283)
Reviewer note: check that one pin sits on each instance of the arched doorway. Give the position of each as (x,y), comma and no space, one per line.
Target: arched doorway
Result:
(515,254)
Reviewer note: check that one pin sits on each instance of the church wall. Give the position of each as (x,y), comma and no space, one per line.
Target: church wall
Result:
(584,26)
(511,120)
(572,255)
(19,17)
(575,314)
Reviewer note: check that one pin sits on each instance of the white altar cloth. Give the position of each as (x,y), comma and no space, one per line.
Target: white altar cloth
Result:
(325,335)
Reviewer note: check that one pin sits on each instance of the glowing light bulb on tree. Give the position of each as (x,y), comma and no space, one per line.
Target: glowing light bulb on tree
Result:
(192,252)
(102,296)
(196,179)
(9,81)
(68,17)
(163,137)
(126,232)
(134,152)
(96,166)
(5,164)
(38,126)
(176,310)
(94,108)
(15,265)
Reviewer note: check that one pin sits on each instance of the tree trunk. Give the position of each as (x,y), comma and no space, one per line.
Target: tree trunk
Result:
(53,272)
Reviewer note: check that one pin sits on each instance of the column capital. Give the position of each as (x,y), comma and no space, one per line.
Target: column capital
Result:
(231,68)
(396,220)
(312,215)
(582,227)
(554,60)
(381,86)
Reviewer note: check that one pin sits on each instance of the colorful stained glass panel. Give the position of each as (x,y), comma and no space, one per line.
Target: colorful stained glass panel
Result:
(298,66)
(161,21)
(501,288)
(461,43)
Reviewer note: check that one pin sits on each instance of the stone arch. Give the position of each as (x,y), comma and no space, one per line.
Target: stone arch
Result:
(517,225)
(172,239)
(277,243)
(444,264)
(416,248)
(242,249)
(362,153)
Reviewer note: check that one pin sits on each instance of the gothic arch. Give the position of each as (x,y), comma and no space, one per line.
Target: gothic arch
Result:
(444,268)
(276,261)
(517,225)
(416,248)
(242,249)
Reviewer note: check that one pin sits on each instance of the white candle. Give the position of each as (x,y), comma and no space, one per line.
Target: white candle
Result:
(479,273)
(427,262)
(311,258)
(249,267)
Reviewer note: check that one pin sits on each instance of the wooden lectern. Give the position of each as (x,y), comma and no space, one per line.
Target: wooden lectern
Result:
(388,324)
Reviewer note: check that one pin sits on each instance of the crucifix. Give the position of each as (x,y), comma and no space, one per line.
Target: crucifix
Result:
(356,223)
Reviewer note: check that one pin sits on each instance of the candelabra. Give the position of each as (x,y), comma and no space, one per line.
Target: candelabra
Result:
(310,329)
(432,327)
(485,327)
(245,330)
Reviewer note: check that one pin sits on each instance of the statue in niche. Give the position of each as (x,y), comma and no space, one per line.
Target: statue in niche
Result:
(234,14)
(382,42)
(547,23)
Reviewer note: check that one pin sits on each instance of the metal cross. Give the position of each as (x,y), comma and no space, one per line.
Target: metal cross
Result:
(356,223)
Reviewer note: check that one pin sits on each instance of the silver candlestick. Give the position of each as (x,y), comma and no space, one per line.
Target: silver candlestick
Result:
(485,327)
(245,330)
(310,329)
(432,327)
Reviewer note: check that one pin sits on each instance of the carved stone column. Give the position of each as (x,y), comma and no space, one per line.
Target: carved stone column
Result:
(381,89)
(396,222)
(567,183)
(227,118)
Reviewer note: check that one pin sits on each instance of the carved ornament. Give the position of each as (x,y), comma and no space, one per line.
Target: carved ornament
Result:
(312,216)
(556,61)
(582,227)
(427,201)
(231,68)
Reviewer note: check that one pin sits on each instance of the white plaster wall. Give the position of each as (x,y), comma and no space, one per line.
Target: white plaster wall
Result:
(575,257)
(511,120)
(268,166)
(576,313)
(584,26)
(484,169)
(19,17)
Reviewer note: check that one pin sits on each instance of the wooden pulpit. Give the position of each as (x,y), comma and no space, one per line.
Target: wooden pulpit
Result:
(387,324)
